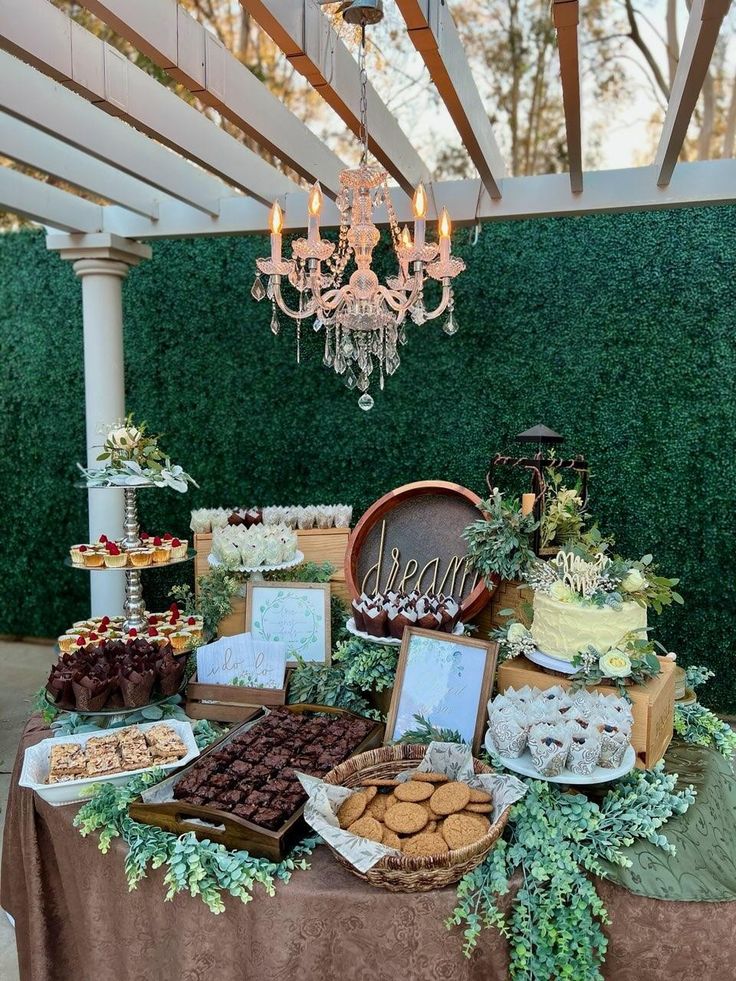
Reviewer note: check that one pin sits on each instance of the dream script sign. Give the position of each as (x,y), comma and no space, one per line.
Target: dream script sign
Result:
(412,538)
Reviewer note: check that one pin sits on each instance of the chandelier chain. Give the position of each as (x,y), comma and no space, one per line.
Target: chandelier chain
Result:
(363,99)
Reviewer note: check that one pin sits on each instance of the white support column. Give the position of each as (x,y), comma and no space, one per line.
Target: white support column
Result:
(102,262)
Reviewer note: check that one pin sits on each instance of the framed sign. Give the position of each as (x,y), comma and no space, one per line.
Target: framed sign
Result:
(444,679)
(240,661)
(412,539)
(294,613)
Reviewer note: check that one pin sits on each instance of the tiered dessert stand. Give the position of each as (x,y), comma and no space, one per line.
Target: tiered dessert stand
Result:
(134,606)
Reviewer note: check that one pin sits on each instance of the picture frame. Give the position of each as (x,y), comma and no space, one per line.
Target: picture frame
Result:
(300,616)
(429,681)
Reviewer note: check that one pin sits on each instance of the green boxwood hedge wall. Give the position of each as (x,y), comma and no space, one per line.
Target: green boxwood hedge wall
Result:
(615,330)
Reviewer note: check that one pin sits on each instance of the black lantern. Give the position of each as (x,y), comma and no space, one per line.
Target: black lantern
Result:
(534,501)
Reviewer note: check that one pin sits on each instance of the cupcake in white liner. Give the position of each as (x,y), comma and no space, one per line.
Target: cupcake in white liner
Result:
(499,703)
(218,518)
(227,552)
(306,517)
(273,515)
(540,711)
(614,743)
(612,706)
(200,521)
(325,516)
(549,746)
(585,749)
(252,553)
(343,515)
(508,731)
(290,517)
(522,696)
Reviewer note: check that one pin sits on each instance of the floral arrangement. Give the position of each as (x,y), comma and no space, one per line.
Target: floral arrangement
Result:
(632,661)
(366,666)
(132,457)
(564,516)
(513,639)
(554,925)
(577,575)
(500,543)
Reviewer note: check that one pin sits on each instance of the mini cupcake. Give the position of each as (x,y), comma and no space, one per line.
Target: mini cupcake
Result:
(193,628)
(170,671)
(179,548)
(77,554)
(67,642)
(93,559)
(180,640)
(162,551)
(136,686)
(140,557)
(114,558)
(549,746)
(90,694)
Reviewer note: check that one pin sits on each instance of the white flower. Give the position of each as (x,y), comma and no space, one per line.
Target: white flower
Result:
(124,437)
(671,656)
(633,582)
(615,663)
(559,591)
(517,632)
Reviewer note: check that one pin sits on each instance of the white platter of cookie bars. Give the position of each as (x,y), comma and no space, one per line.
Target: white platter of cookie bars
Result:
(37,762)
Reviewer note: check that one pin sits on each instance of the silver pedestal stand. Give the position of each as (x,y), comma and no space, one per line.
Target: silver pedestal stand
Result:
(134,607)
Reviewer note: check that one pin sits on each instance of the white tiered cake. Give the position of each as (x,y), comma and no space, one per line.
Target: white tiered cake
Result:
(563,629)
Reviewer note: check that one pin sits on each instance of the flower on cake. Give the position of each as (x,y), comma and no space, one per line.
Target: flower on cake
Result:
(124,437)
(633,581)
(615,664)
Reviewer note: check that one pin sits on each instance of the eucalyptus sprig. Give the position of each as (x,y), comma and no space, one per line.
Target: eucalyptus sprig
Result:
(367,666)
(320,684)
(500,543)
(555,923)
(426,733)
(201,868)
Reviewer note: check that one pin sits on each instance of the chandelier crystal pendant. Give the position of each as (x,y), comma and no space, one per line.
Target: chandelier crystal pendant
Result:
(364,321)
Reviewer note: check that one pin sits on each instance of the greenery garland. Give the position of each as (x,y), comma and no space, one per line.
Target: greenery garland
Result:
(367,666)
(555,924)
(500,543)
(202,868)
(697,725)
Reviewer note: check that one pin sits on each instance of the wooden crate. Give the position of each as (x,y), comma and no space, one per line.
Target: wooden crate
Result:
(226,828)
(231,703)
(317,544)
(653,704)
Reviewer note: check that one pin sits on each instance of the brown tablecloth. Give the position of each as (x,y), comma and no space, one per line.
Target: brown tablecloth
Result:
(75,919)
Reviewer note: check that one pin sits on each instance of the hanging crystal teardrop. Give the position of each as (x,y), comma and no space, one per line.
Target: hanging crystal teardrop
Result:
(418,313)
(402,335)
(392,363)
(366,402)
(328,358)
(350,379)
(318,324)
(363,382)
(275,325)
(450,326)
(258,290)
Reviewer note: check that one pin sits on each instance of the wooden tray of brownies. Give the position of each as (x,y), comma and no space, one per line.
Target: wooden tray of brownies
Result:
(243,791)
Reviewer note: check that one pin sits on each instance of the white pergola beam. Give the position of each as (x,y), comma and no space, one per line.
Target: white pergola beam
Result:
(701,34)
(566,16)
(46,105)
(707,182)
(106,77)
(434,35)
(169,36)
(309,42)
(46,204)
(29,146)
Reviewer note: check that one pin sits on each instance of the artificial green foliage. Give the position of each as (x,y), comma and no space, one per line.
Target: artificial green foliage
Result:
(697,725)
(200,868)
(425,733)
(555,923)
(630,359)
(69,723)
(367,666)
(500,543)
(564,516)
(318,684)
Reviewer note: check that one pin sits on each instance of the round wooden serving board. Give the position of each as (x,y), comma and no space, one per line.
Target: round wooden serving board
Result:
(424,522)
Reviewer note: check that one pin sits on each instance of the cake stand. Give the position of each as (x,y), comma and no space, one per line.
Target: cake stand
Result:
(134,606)
(524,766)
(389,641)
(551,663)
(256,572)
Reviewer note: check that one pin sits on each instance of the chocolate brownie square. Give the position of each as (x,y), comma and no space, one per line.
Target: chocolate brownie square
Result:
(259,798)
(245,810)
(269,817)
(222,780)
(240,768)
(230,797)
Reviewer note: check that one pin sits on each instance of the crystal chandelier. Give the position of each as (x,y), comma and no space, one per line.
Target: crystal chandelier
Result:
(364,321)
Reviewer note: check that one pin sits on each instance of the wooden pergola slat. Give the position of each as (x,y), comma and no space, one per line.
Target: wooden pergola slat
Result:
(707,182)
(566,16)
(43,34)
(183,47)
(434,35)
(47,204)
(46,105)
(312,46)
(701,34)
(29,146)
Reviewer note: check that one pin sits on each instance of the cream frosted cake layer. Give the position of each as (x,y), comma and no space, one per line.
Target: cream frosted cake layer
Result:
(564,629)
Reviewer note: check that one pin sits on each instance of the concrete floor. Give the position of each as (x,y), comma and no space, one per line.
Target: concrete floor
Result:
(25,668)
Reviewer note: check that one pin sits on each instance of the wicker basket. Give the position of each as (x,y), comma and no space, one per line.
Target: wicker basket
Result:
(404,873)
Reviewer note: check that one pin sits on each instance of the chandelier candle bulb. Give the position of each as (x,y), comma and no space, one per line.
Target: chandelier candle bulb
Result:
(527,503)
(420,215)
(315,209)
(276,221)
(445,229)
